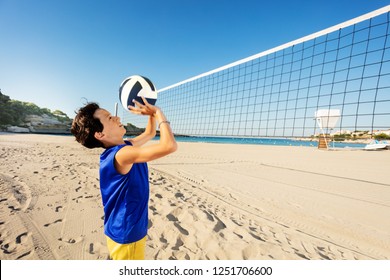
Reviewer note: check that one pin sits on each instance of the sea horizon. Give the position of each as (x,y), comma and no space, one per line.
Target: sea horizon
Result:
(265,141)
(270,141)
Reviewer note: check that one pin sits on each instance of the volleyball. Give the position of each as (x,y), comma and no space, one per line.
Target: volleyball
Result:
(135,87)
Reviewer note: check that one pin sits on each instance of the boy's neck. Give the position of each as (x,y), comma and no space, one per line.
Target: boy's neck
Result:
(113,143)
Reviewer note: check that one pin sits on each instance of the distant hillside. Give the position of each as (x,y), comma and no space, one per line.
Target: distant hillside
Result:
(25,117)
(14,112)
(18,116)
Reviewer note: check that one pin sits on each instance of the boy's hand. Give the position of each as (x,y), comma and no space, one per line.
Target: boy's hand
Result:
(146,109)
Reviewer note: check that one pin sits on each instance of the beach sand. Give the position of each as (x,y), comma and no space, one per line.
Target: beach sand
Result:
(207,201)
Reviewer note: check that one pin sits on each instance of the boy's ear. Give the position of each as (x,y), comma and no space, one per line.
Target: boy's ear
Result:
(98,135)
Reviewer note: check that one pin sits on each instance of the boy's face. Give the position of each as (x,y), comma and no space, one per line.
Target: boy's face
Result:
(112,127)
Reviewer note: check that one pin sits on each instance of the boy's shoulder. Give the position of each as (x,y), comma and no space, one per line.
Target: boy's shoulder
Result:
(114,149)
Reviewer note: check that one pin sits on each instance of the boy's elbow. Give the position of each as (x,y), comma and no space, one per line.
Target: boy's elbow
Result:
(175,146)
(172,147)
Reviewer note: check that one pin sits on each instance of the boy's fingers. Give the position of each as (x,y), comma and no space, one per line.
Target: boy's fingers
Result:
(142,109)
(147,104)
(145,101)
(137,103)
(134,110)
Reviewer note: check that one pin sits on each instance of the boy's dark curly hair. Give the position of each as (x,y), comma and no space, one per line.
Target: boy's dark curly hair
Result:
(85,125)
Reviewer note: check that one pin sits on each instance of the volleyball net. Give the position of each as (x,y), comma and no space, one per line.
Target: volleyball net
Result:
(277,93)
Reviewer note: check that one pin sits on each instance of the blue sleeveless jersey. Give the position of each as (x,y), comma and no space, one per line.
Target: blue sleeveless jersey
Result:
(125,198)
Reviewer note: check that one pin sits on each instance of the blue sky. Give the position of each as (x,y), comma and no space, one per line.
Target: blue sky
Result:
(57,53)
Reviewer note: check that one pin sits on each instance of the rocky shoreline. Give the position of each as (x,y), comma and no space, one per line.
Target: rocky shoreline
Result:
(43,124)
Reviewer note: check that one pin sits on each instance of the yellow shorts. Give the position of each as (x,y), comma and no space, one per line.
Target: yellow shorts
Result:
(130,251)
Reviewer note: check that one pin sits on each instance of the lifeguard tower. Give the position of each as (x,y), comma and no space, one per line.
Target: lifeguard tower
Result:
(326,120)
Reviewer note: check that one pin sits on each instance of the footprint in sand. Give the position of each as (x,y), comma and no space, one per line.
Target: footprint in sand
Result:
(55,222)
(22,238)
(219,226)
(172,218)
(178,244)
(24,255)
(158,181)
(255,236)
(71,240)
(97,248)
(322,252)
(179,195)
(78,199)
(8,248)
(236,221)
(154,210)
(162,239)
(14,209)
(181,229)
(209,216)
(175,221)
(212,218)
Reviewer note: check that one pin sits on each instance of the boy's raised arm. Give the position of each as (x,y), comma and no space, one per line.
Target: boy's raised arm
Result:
(167,144)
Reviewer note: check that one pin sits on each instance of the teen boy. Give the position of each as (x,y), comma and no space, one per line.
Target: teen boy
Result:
(124,178)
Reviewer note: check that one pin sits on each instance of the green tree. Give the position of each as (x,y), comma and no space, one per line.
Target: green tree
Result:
(381,136)
(59,113)
(6,112)
(13,112)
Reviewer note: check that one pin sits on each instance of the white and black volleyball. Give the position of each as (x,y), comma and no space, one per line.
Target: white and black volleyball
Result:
(134,87)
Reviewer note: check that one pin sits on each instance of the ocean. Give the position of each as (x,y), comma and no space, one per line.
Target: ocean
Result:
(258,141)
(265,141)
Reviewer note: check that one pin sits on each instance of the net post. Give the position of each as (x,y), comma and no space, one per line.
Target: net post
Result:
(116,109)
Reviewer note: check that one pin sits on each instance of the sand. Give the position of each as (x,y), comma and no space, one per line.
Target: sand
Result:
(207,201)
